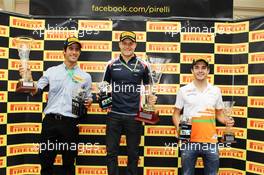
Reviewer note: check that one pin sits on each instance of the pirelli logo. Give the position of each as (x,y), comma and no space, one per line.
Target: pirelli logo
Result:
(28,107)
(254,145)
(13,64)
(85,129)
(37,44)
(256,102)
(91,170)
(165,109)
(2,162)
(239,111)
(197,38)
(254,123)
(228,90)
(189,57)
(92,66)
(12,85)
(92,150)
(3,118)
(29,24)
(3,74)
(233,153)
(45,96)
(59,34)
(188,78)
(256,36)
(95,25)
(141,36)
(122,161)
(163,26)
(255,58)
(231,48)
(4,31)
(256,80)
(24,128)
(230,28)
(3,140)
(58,160)
(163,47)
(230,171)
(155,151)
(165,131)
(160,171)
(141,55)
(50,55)
(95,109)
(3,96)
(167,89)
(23,169)
(239,132)
(239,69)
(254,167)
(168,68)
(100,46)
(4,52)
(123,141)
(21,149)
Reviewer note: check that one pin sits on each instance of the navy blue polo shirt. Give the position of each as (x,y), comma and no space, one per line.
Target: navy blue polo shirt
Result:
(126,80)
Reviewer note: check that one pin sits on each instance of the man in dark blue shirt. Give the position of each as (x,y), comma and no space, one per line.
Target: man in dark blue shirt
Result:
(126,74)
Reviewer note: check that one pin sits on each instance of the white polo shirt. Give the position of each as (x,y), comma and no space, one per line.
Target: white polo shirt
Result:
(200,108)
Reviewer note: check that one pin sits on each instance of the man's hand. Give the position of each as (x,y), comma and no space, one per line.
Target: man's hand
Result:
(152,99)
(88,102)
(229,121)
(22,71)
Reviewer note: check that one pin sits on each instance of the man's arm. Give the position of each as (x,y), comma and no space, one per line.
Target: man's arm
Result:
(176,119)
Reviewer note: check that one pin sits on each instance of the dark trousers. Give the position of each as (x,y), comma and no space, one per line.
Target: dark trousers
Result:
(114,126)
(58,134)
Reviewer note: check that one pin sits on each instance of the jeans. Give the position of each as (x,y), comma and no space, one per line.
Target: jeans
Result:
(209,153)
(132,128)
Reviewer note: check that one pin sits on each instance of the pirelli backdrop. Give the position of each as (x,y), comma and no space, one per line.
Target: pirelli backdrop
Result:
(236,53)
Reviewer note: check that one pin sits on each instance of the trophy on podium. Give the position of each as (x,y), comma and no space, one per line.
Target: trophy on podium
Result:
(148,113)
(23,45)
(105,97)
(79,95)
(228,135)
(185,129)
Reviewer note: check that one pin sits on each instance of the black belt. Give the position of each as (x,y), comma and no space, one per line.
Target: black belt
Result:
(60,117)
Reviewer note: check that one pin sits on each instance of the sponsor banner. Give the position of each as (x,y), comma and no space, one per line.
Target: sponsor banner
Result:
(45,97)
(2,162)
(24,107)
(12,85)
(233,153)
(231,28)
(95,25)
(123,141)
(163,47)
(21,149)
(28,169)
(3,118)
(256,58)
(58,160)
(256,80)
(91,170)
(256,36)
(157,151)
(168,68)
(188,78)
(2,140)
(163,131)
(199,163)
(95,109)
(141,55)
(37,44)
(92,66)
(254,167)
(189,57)
(4,31)
(254,145)
(197,38)
(99,46)
(164,26)
(4,52)
(24,128)
(13,64)
(167,89)
(241,48)
(3,96)
(160,171)
(256,102)
(230,171)
(122,161)
(59,34)
(240,133)
(29,24)
(140,36)
(253,123)
(230,90)
(92,150)
(90,129)
(53,55)
(165,109)
(3,74)
(238,111)
(223,69)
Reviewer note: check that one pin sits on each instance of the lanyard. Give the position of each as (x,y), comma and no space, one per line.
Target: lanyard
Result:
(70,72)
(132,70)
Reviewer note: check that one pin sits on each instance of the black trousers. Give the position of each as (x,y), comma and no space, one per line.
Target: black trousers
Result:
(59,134)
(132,128)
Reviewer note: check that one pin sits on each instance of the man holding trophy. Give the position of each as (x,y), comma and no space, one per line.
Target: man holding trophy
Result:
(201,103)
(68,99)
(126,74)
